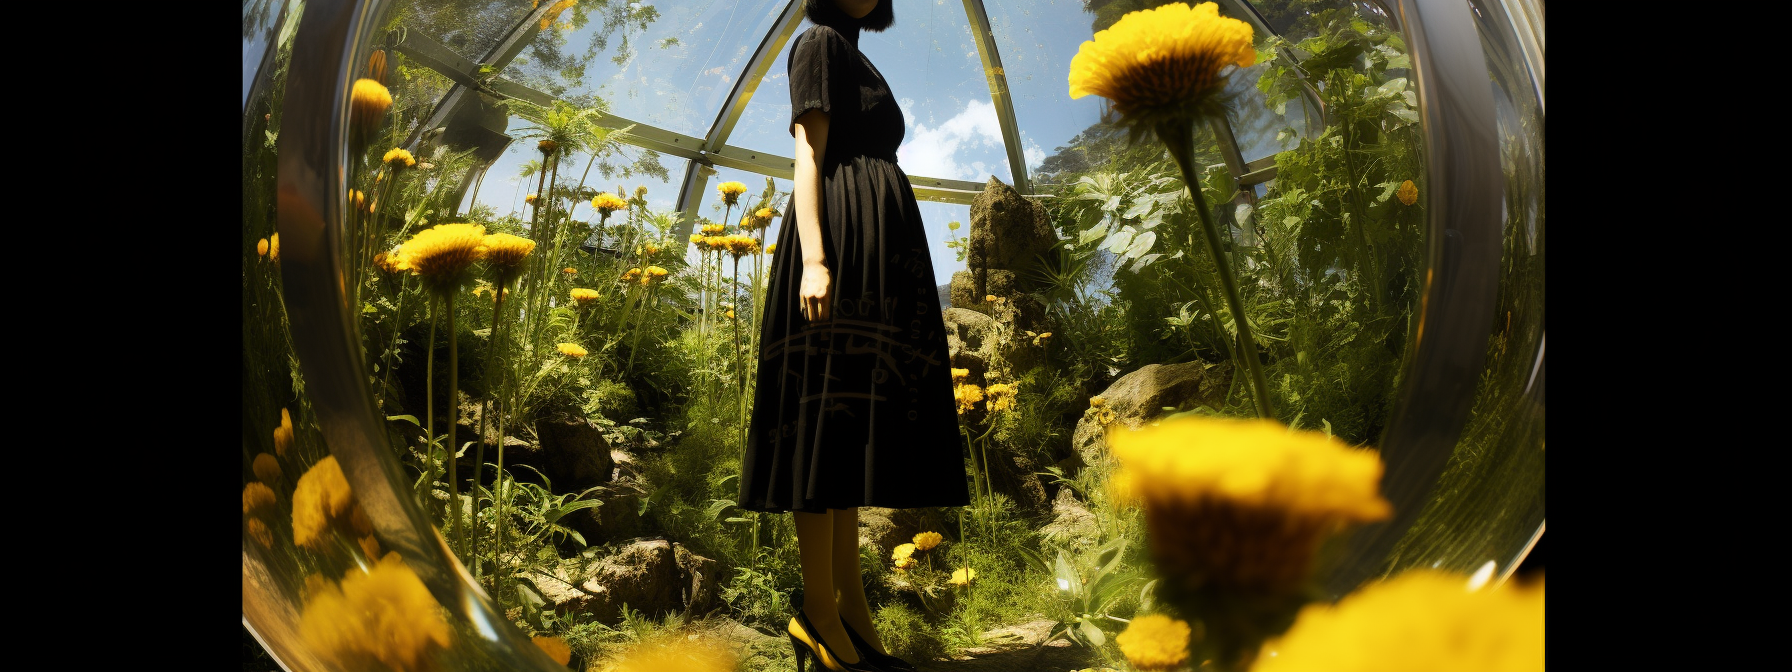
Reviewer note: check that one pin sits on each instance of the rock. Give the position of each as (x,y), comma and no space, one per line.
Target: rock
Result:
(885,529)
(964,289)
(1016,476)
(1139,396)
(619,517)
(1007,231)
(1072,523)
(576,453)
(653,576)
(968,341)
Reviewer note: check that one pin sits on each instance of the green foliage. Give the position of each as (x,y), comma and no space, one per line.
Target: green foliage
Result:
(907,634)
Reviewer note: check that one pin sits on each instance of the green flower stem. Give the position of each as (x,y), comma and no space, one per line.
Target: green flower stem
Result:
(485,414)
(1178,138)
(429,407)
(460,537)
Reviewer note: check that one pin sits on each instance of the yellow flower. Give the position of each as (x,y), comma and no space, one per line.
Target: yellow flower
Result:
(771,248)
(322,496)
(367,105)
(960,374)
(962,576)
(631,275)
(745,245)
(967,395)
(261,248)
(572,350)
(730,313)
(283,434)
(697,238)
(903,551)
(443,252)
(547,146)
(261,533)
(531,199)
(1155,642)
(399,158)
(584,296)
(653,248)
(554,13)
(267,469)
(570,270)
(904,563)
(925,541)
(678,653)
(1244,503)
(356,199)
(1040,339)
(656,271)
(382,618)
(390,262)
(1419,620)
(274,247)
(608,203)
(1097,401)
(1163,63)
(1001,396)
(255,496)
(504,254)
(765,213)
(731,191)
(555,647)
(714,229)
(376,65)
(1408,193)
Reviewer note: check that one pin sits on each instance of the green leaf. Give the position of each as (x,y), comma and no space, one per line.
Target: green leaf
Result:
(1094,634)
(1118,240)
(407,418)
(1141,244)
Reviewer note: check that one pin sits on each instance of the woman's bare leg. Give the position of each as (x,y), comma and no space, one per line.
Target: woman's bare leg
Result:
(814,540)
(849,581)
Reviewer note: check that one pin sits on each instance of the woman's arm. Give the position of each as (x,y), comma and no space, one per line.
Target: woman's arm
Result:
(811,147)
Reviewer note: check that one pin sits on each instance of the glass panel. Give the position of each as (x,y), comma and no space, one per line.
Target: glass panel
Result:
(1037,39)
(470,27)
(669,64)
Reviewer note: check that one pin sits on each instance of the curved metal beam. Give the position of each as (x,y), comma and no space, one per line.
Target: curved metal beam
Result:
(998,92)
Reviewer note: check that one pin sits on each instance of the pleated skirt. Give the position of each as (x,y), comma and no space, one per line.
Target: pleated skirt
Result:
(857,410)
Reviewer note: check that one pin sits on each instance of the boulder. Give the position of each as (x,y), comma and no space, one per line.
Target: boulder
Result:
(1140,396)
(964,288)
(968,341)
(619,517)
(1072,523)
(654,576)
(1007,231)
(575,451)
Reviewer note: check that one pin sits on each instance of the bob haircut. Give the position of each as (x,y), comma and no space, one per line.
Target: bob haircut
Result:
(824,13)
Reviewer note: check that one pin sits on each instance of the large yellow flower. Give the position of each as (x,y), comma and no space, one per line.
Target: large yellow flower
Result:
(584,296)
(256,496)
(322,496)
(383,618)
(283,434)
(731,191)
(740,246)
(1244,504)
(399,158)
(1001,396)
(1408,193)
(442,253)
(967,395)
(555,647)
(1154,642)
(572,350)
(504,254)
(267,469)
(902,551)
(962,576)
(713,229)
(1162,63)
(925,541)
(1421,620)
(368,102)
(261,247)
(608,203)
(678,653)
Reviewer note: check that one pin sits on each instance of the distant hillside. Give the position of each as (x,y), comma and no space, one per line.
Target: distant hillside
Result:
(945,296)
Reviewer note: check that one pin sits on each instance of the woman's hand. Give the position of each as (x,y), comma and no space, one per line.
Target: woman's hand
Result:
(813,297)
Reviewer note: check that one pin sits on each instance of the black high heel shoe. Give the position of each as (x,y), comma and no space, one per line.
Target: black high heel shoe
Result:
(883,660)
(806,641)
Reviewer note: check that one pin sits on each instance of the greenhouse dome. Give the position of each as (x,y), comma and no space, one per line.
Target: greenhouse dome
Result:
(440,475)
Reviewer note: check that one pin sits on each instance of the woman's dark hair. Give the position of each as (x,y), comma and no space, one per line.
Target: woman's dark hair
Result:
(825,13)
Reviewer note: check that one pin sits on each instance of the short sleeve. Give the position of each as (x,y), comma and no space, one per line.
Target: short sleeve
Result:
(815,71)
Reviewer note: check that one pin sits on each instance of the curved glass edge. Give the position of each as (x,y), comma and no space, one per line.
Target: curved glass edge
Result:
(305,402)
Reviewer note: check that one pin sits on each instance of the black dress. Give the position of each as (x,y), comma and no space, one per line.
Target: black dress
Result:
(858,410)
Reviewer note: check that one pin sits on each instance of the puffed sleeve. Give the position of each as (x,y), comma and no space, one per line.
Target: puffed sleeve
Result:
(816,64)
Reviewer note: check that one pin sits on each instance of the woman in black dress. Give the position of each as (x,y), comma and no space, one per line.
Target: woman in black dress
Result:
(853,405)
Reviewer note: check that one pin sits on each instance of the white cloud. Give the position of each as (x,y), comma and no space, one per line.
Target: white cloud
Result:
(935,152)
(907,105)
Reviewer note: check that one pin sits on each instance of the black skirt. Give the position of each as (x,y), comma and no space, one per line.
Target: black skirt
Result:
(857,410)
